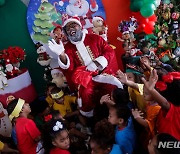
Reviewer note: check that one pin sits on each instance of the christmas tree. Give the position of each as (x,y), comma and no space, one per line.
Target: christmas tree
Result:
(167,32)
(44,22)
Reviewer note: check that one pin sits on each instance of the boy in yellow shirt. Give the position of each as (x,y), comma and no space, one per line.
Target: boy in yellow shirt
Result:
(63,102)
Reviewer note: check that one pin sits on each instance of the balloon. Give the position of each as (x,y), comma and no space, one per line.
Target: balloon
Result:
(135,6)
(147,10)
(149,27)
(2,2)
(153,18)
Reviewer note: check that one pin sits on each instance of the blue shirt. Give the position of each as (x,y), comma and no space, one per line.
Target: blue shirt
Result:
(126,138)
(116,150)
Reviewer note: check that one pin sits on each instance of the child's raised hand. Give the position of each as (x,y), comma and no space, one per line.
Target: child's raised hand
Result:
(122,77)
(152,80)
(137,114)
(104,98)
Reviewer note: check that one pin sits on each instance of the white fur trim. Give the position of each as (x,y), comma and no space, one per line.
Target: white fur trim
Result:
(82,50)
(87,114)
(15,84)
(94,9)
(72,20)
(97,18)
(62,65)
(105,78)
(79,101)
(102,61)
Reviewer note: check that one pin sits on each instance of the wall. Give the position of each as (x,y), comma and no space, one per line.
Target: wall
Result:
(14,32)
(116,10)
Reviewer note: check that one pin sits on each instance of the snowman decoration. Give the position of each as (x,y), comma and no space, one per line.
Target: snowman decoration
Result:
(5,123)
(82,9)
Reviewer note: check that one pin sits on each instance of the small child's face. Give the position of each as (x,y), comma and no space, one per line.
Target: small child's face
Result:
(145,50)
(147,96)
(62,140)
(26,108)
(112,118)
(96,149)
(130,76)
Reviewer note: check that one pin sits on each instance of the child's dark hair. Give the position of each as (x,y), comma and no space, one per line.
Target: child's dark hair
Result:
(50,85)
(50,131)
(11,106)
(120,96)
(104,134)
(55,90)
(122,111)
(38,106)
(143,44)
(164,137)
(172,92)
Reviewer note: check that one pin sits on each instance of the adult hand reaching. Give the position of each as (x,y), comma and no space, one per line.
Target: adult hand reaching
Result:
(56,48)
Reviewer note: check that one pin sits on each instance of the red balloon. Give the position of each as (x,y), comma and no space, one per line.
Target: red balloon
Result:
(149,27)
(145,21)
(153,18)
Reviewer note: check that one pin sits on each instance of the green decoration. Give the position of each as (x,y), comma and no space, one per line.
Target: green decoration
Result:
(147,10)
(43,24)
(136,5)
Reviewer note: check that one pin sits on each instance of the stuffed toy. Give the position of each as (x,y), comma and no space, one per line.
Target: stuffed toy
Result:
(3,79)
(11,71)
(58,35)
(100,27)
(43,58)
(5,123)
(58,78)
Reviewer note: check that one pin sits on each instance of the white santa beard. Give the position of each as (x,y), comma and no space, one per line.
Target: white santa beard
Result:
(75,10)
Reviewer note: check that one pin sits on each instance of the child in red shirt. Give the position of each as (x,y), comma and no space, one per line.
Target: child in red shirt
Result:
(55,137)
(27,133)
(168,120)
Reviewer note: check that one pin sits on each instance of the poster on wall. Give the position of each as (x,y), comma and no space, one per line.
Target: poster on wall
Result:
(44,15)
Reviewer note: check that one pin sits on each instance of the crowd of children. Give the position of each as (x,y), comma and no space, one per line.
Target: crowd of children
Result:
(132,120)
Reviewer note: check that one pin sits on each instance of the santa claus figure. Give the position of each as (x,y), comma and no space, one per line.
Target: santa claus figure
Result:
(82,9)
(5,123)
(88,63)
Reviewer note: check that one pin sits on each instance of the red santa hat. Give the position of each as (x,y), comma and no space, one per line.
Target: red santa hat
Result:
(72,19)
(56,70)
(95,18)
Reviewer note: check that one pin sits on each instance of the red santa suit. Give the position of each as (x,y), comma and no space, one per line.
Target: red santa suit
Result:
(91,48)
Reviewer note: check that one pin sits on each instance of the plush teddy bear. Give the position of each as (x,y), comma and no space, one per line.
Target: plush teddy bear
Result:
(3,79)
(99,27)
(58,78)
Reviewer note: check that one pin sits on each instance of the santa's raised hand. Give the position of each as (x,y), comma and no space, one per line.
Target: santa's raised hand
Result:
(56,48)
